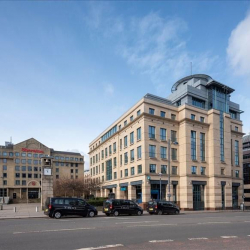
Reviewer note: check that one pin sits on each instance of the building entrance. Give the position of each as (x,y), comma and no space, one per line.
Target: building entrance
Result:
(33,193)
(223,197)
(198,197)
(155,191)
(235,197)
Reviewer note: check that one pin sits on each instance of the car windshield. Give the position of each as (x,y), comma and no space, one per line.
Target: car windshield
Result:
(106,203)
(151,203)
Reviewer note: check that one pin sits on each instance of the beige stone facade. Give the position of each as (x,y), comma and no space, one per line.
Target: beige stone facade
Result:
(196,181)
(21,168)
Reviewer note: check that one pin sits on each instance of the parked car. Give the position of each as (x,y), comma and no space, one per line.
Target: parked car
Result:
(57,207)
(120,206)
(162,207)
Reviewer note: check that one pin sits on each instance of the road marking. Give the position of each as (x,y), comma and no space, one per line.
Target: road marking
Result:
(202,238)
(247,221)
(156,225)
(134,222)
(101,247)
(56,230)
(203,223)
(229,237)
(157,241)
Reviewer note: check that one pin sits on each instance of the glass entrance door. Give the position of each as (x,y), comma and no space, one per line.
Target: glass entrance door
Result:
(198,197)
(235,197)
(223,197)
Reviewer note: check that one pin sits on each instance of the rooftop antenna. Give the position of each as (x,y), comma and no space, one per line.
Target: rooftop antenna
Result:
(191,67)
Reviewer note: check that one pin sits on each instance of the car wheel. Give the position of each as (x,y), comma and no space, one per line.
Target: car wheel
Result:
(107,214)
(116,213)
(159,212)
(57,215)
(177,211)
(139,213)
(91,214)
(151,213)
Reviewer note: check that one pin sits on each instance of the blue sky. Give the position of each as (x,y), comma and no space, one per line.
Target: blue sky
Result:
(69,69)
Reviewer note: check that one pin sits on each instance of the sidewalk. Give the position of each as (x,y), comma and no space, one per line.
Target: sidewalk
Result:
(29,211)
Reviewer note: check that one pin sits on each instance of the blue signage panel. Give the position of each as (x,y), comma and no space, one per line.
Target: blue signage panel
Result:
(123,188)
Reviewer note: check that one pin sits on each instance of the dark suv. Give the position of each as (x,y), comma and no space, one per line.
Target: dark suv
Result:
(57,207)
(162,207)
(120,206)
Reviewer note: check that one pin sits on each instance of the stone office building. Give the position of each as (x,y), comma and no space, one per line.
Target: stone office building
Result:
(246,169)
(21,168)
(205,130)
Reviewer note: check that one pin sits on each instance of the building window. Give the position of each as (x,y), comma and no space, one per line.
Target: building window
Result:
(152,168)
(221,137)
(23,168)
(163,114)
(23,161)
(194,170)
(237,173)
(202,119)
(110,150)
(17,182)
(132,138)
(57,170)
(139,152)
(138,134)
(125,123)
(131,118)
(132,171)
(125,158)
(114,147)
(163,152)
(120,144)
(192,116)
(109,133)
(236,128)
(152,151)
(132,155)
(193,145)
(236,156)
(202,146)
(115,162)
(163,169)
(17,160)
(17,154)
(138,112)
(178,103)
(173,117)
(17,175)
(222,171)
(198,103)
(232,114)
(126,172)
(35,169)
(151,111)
(29,176)
(120,160)
(125,141)
(115,175)
(109,170)
(121,173)
(139,169)
(106,153)
(4,175)
(23,183)
(23,154)
(36,156)
(102,167)
(102,155)
(5,182)
(35,162)
(174,154)
(17,168)
(203,170)
(29,161)
(173,136)
(151,132)
(4,167)
(120,127)
(174,170)
(163,134)
(57,176)
(29,168)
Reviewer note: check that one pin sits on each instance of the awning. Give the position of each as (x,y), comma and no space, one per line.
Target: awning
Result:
(158,182)
(199,182)
(134,183)
(174,182)
(125,184)
(234,184)
(109,186)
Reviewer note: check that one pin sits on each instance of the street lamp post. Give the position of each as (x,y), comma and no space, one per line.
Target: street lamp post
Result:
(169,145)
(3,190)
(160,184)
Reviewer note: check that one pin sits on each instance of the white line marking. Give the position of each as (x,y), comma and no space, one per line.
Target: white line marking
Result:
(202,238)
(156,241)
(229,237)
(101,247)
(134,222)
(57,230)
(247,221)
(156,225)
(203,223)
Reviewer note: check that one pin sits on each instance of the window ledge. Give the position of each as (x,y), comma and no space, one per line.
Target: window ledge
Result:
(138,140)
(222,162)
(163,140)
(131,161)
(152,157)
(152,139)
(164,159)
(203,162)
(131,144)
(195,160)
(237,165)
(175,160)
(138,159)
(125,147)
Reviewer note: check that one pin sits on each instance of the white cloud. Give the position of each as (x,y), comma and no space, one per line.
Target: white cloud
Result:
(109,89)
(238,50)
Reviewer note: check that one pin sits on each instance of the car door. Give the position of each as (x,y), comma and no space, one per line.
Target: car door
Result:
(125,207)
(170,208)
(132,208)
(69,206)
(81,208)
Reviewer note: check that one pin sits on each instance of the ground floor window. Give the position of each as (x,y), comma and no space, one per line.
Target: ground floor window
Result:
(198,197)
(3,192)
(155,191)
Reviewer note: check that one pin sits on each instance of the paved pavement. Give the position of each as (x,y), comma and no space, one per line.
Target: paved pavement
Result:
(226,230)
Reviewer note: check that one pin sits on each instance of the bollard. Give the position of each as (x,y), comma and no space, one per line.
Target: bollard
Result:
(1,207)
(36,209)
(14,209)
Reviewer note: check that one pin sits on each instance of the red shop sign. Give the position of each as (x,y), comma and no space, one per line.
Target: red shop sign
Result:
(32,150)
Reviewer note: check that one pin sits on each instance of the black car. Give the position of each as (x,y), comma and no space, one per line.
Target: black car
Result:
(120,206)
(162,207)
(57,207)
